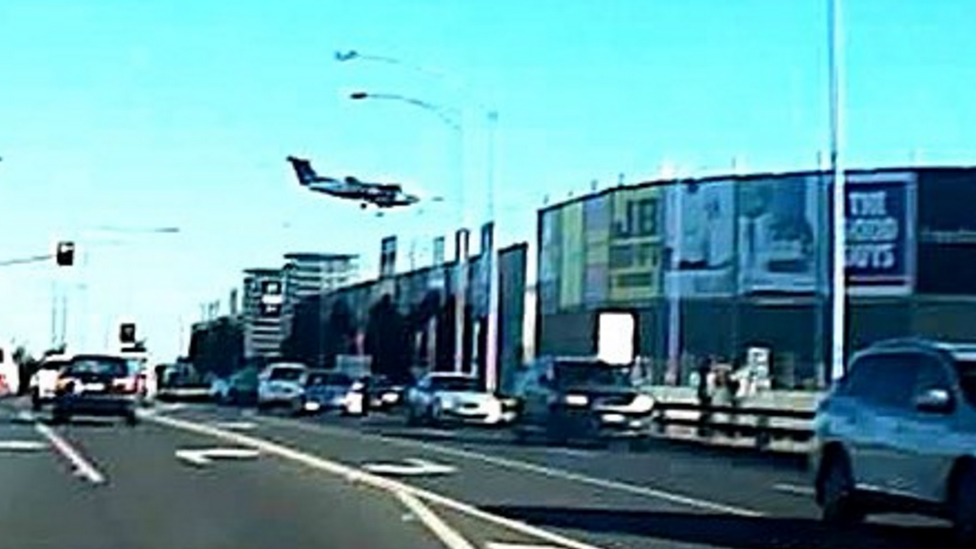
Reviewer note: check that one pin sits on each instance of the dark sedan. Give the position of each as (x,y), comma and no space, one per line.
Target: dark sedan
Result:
(97,385)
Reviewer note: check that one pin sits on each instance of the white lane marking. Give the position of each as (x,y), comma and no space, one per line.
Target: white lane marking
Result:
(236,425)
(82,466)
(25,416)
(437,433)
(355,475)
(499,545)
(410,468)
(505,463)
(21,445)
(448,536)
(804,491)
(205,456)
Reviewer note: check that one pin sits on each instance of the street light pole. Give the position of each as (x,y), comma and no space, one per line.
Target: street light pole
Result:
(445,115)
(838,281)
(492,119)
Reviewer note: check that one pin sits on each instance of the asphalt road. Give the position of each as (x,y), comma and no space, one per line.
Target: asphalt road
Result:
(345,482)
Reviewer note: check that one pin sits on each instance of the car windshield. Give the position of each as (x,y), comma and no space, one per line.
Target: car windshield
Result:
(103,366)
(329,379)
(592,374)
(286,374)
(453,384)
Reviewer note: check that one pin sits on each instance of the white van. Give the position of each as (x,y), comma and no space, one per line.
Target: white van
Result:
(9,373)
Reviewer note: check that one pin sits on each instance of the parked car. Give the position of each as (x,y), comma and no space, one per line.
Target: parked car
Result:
(440,398)
(323,390)
(572,398)
(96,385)
(239,389)
(44,382)
(280,384)
(898,433)
(384,395)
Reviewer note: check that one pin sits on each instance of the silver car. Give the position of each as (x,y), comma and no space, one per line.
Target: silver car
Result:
(898,434)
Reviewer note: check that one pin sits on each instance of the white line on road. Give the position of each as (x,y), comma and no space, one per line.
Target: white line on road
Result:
(804,491)
(354,475)
(448,536)
(236,425)
(499,545)
(82,466)
(21,445)
(551,472)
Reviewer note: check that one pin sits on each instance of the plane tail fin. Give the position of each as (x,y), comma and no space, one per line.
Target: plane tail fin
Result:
(303,169)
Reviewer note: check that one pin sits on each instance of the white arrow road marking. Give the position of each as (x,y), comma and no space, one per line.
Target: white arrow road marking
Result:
(448,536)
(236,425)
(804,491)
(207,455)
(21,445)
(83,467)
(410,468)
(355,475)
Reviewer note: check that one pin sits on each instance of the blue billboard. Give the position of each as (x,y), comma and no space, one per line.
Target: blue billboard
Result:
(880,247)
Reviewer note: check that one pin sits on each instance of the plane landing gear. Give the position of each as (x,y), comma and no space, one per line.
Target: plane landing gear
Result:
(363,206)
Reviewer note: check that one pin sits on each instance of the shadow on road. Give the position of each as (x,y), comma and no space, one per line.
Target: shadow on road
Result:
(728,530)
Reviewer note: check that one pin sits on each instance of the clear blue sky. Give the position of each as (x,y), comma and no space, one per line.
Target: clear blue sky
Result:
(150,113)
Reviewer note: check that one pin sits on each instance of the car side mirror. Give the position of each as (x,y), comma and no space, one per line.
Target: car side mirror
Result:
(937,401)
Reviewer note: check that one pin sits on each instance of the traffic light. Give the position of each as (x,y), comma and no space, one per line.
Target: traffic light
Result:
(65,254)
(127,332)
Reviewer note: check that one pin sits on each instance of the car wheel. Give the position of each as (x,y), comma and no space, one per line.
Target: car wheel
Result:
(556,433)
(435,416)
(520,433)
(963,508)
(131,419)
(59,417)
(837,497)
(412,419)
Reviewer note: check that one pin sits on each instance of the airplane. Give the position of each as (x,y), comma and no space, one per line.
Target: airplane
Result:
(381,195)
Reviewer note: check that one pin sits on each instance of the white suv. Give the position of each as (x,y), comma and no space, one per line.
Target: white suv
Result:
(898,434)
(44,382)
(281,384)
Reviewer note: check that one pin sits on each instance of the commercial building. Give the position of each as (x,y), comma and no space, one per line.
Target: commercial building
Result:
(309,274)
(407,321)
(718,265)
(262,313)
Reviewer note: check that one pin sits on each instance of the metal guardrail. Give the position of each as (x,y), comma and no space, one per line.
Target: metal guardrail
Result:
(735,421)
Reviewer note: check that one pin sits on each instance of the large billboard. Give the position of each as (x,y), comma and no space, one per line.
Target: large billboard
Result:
(778,222)
(700,218)
(572,256)
(596,231)
(636,244)
(880,258)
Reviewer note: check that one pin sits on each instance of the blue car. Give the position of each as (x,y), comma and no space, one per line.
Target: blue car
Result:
(324,391)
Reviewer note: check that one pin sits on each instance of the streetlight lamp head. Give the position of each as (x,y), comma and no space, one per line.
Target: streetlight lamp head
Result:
(358,95)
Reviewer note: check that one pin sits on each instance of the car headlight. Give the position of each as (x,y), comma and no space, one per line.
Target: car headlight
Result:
(447,404)
(642,404)
(577,400)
